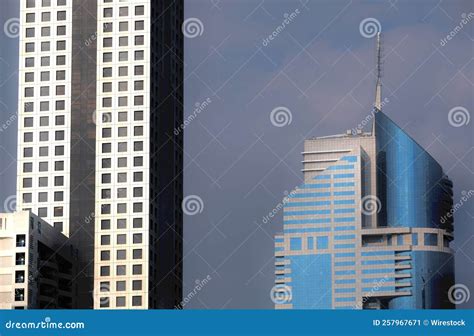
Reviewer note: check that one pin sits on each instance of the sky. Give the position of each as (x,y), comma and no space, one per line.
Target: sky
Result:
(317,74)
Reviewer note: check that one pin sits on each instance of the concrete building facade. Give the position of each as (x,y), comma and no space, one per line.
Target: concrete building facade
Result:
(37,264)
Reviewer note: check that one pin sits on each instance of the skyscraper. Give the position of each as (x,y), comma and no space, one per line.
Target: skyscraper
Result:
(366,229)
(100,93)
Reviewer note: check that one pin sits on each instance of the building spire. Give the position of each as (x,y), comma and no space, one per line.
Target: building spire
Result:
(378,85)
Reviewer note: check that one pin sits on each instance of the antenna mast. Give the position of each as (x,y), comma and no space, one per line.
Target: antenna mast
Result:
(378,84)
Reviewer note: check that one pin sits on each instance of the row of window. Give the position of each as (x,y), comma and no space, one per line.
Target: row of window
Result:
(138,70)
(120,301)
(122,162)
(29,136)
(44,121)
(121,193)
(57,212)
(44,46)
(45,76)
(122,41)
(121,223)
(43,151)
(123,26)
(44,3)
(121,270)
(123,101)
(121,254)
(106,209)
(43,166)
(45,91)
(122,147)
(43,197)
(45,16)
(30,46)
(59,105)
(139,55)
(43,136)
(123,11)
(58,181)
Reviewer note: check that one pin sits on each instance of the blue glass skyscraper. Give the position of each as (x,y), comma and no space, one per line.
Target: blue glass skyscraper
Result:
(367,229)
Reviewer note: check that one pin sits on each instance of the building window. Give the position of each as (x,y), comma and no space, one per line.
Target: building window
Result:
(295,244)
(105,255)
(322,243)
(105,240)
(108,12)
(120,286)
(136,301)
(105,224)
(431,239)
(121,254)
(136,285)
(121,239)
(137,269)
(121,270)
(139,10)
(105,271)
(120,301)
(137,238)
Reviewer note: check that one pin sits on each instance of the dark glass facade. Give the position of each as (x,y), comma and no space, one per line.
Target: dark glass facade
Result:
(415,193)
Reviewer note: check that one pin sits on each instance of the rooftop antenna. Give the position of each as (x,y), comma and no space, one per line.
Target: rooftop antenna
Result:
(378,85)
